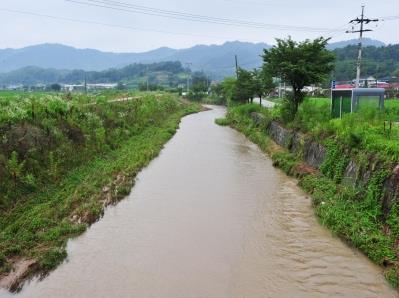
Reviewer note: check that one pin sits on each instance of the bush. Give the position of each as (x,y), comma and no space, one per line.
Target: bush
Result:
(222,121)
(311,115)
(2,260)
(285,161)
(45,136)
(52,258)
(287,111)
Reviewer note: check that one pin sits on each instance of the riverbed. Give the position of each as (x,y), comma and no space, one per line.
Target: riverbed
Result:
(211,217)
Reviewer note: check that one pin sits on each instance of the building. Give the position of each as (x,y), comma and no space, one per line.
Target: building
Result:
(82,87)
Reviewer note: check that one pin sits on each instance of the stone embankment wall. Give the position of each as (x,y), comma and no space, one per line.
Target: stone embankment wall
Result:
(314,154)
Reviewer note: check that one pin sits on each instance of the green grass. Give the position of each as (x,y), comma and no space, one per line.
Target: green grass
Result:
(222,122)
(364,131)
(285,161)
(391,103)
(46,135)
(38,224)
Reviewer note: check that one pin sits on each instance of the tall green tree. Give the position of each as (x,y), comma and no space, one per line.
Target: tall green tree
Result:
(228,88)
(199,86)
(55,87)
(245,86)
(263,83)
(300,64)
(259,87)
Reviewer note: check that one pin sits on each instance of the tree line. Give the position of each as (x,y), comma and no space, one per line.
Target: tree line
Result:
(161,72)
(299,64)
(379,62)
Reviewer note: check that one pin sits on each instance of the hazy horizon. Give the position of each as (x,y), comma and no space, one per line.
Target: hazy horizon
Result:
(149,50)
(83,26)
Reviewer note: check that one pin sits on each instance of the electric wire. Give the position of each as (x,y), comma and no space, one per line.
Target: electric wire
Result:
(107,24)
(126,7)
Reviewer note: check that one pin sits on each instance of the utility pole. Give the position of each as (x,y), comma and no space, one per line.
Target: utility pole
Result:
(360,21)
(147,78)
(85,83)
(236,66)
(188,64)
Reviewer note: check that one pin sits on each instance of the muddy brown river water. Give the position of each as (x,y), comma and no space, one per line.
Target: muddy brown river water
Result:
(211,218)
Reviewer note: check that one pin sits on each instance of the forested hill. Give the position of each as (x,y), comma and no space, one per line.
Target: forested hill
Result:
(169,73)
(378,62)
(216,60)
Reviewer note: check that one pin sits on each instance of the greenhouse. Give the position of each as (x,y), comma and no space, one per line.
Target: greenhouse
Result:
(346,101)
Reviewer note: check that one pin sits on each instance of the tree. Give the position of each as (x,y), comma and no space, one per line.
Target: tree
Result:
(150,87)
(245,86)
(201,80)
(199,86)
(228,87)
(55,87)
(216,89)
(300,64)
(263,83)
(258,84)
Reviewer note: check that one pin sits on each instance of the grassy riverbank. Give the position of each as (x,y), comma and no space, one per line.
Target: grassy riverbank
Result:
(88,165)
(356,213)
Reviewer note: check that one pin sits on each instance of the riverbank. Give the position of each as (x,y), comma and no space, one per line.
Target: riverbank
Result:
(36,227)
(353,190)
(211,217)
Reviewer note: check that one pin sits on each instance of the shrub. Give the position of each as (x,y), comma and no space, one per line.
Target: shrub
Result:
(284,160)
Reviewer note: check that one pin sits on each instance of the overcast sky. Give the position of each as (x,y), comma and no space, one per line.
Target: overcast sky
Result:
(149,32)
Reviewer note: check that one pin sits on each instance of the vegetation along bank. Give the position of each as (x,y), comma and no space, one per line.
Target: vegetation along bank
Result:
(63,159)
(348,165)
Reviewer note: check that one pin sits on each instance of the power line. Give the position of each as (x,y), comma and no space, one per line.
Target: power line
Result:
(105,24)
(175,13)
(262,3)
(360,21)
(126,7)
(158,12)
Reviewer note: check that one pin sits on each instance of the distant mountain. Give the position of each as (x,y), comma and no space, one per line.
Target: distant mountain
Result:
(162,73)
(216,60)
(212,58)
(219,60)
(368,42)
(59,56)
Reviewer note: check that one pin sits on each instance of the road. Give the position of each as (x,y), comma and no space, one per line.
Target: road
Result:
(266,103)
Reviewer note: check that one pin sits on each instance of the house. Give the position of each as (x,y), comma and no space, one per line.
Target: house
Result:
(101,86)
(73,87)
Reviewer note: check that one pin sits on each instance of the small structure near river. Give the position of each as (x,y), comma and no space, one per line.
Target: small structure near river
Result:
(345,101)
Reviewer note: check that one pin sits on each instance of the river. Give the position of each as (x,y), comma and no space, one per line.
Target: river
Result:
(211,218)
